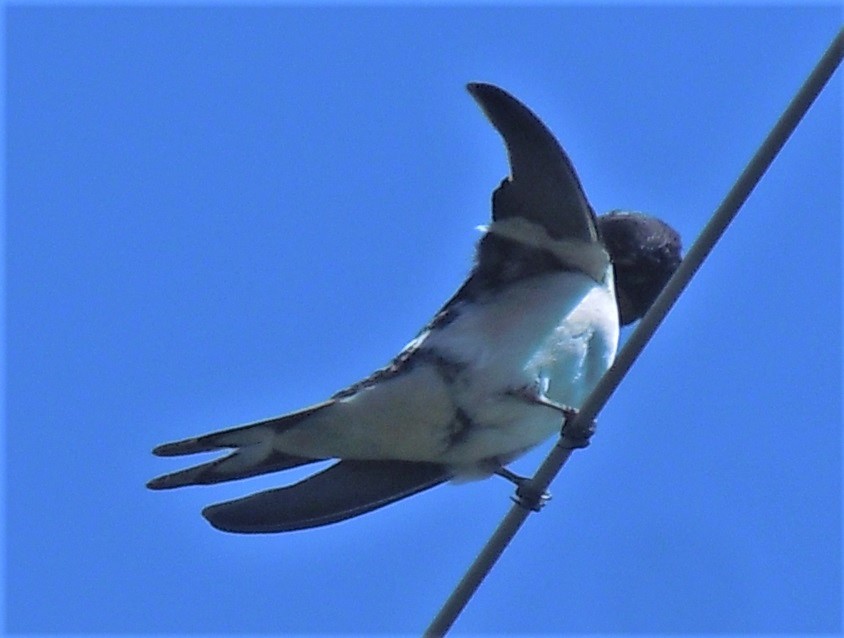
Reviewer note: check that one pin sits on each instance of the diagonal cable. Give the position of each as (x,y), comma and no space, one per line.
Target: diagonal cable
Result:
(699,251)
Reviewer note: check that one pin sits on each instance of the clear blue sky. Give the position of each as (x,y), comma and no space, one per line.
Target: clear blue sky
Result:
(215,215)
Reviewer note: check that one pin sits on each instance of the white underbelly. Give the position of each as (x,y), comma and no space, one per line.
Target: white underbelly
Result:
(558,333)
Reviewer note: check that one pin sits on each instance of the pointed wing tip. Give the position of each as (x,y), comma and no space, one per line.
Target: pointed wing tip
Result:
(488,97)
(217,518)
(475,87)
(480,89)
(228,517)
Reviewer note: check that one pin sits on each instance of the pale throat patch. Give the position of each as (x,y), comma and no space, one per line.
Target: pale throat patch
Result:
(587,257)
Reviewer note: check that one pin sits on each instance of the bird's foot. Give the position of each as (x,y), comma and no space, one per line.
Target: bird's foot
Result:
(572,438)
(576,435)
(526,496)
(532,394)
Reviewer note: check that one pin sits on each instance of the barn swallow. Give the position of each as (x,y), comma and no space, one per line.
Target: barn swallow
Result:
(520,345)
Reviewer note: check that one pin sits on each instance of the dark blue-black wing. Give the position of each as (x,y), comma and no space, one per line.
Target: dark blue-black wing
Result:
(344,490)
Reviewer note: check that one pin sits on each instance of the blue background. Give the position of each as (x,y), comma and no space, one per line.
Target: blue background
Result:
(215,215)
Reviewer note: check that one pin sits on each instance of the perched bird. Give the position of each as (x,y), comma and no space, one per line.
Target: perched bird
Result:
(520,344)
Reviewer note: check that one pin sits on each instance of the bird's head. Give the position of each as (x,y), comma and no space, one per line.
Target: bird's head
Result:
(645,252)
